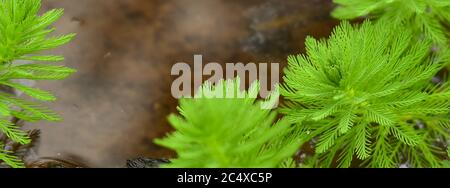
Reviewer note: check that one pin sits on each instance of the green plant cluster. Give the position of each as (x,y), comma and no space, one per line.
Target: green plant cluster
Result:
(371,95)
(224,127)
(24,35)
(366,94)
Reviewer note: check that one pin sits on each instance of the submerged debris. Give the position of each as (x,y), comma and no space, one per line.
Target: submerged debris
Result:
(55,163)
(146,163)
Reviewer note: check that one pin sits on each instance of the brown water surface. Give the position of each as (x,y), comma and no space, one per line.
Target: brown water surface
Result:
(118,101)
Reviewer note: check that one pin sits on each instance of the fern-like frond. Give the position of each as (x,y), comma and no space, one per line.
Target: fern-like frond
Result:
(13,132)
(32,92)
(405,133)
(37,72)
(29,111)
(363,141)
(383,151)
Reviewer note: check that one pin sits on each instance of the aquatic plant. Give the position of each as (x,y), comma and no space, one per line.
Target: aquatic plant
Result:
(365,97)
(429,17)
(24,35)
(224,127)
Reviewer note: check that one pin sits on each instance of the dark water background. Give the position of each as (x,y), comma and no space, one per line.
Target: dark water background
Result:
(118,101)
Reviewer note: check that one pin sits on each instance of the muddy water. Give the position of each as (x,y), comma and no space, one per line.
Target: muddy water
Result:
(118,101)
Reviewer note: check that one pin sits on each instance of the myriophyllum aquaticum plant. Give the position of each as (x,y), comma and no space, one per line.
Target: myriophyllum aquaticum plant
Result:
(366,98)
(24,35)
(238,130)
